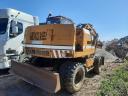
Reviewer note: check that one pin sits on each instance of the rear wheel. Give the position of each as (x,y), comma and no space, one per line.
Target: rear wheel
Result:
(72,75)
(97,68)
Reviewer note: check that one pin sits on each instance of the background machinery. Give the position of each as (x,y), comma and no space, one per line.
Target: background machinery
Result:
(12,27)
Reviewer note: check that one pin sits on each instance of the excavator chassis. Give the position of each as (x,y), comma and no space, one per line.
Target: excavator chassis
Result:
(44,79)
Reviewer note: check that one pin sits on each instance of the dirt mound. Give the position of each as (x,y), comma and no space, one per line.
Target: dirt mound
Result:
(108,56)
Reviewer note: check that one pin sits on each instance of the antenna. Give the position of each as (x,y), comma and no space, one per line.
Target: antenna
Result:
(17,14)
(50,14)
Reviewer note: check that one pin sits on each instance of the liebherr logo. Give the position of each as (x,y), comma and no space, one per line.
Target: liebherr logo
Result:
(38,36)
(41,35)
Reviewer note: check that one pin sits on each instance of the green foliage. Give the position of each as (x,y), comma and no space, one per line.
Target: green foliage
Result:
(115,84)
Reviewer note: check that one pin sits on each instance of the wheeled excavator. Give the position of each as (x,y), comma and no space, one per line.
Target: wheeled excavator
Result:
(58,55)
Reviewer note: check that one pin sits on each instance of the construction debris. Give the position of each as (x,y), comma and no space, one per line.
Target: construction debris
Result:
(118,48)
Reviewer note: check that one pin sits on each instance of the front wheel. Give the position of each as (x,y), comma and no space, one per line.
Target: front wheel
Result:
(97,64)
(72,75)
(102,60)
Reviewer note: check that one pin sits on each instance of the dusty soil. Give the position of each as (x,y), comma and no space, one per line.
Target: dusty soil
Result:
(13,86)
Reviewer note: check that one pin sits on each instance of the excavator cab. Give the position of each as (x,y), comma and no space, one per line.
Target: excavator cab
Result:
(58,20)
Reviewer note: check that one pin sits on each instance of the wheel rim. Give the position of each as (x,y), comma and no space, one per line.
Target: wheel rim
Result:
(79,77)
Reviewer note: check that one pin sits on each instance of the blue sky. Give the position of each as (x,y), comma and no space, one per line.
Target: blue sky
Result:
(109,17)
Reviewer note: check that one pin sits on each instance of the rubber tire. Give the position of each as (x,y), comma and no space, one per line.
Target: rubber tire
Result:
(68,72)
(101,60)
(96,68)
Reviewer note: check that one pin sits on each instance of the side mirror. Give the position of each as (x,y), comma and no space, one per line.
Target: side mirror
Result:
(14,27)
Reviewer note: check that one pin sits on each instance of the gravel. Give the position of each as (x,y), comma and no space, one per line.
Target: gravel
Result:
(13,86)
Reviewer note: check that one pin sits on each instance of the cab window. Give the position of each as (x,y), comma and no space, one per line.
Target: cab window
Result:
(20,27)
(3,25)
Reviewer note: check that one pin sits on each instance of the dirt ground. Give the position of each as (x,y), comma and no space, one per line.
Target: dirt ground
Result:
(13,86)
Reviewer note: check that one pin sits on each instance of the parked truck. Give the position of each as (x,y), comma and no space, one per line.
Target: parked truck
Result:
(60,55)
(12,28)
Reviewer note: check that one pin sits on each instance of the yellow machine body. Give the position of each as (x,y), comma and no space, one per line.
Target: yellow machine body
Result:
(58,41)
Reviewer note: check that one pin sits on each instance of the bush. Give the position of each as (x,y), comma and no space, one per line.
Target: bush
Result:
(116,84)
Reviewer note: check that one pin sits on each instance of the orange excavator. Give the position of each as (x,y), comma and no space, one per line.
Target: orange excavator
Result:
(58,54)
